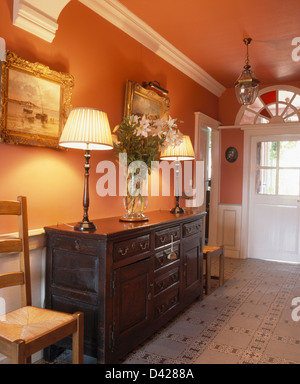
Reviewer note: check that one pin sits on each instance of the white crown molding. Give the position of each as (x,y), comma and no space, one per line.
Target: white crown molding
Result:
(38,17)
(117,14)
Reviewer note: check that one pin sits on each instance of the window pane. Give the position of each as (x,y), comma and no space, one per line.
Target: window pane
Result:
(269,97)
(294,117)
(265,181)
(296,102)
(266,154)
(257,105)
(281,108)
(262,120)
(289,154)
(285,96)
(273,109)
(265,113)
(248,117)
(289,111)
(288,182)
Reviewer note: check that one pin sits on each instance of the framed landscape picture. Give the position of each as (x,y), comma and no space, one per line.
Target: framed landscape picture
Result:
(141,101)
(35,102)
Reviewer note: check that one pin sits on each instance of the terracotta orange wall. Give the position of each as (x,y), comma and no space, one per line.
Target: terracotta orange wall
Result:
(231,184)
(231,173)
(101,58)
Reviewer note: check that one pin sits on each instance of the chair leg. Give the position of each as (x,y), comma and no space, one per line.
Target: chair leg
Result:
(221,268)
(208,272)
(18,355)
(77,340)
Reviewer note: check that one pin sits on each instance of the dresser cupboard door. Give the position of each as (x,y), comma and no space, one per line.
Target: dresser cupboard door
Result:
(133,293)
(192,266)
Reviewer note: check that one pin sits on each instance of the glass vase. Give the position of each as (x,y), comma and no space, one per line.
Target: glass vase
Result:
(135,201)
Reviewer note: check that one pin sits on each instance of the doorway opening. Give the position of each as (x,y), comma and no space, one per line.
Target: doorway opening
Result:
(206,157)
(207,184)
(207,149)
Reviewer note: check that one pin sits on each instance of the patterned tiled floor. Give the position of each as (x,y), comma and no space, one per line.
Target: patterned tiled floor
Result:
(247,320)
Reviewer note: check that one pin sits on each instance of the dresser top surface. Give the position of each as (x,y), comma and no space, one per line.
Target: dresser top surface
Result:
(112,225)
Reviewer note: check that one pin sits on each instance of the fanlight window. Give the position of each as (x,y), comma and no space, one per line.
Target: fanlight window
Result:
(272,106)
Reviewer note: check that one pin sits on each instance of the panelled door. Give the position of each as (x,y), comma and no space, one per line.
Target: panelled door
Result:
(274,206)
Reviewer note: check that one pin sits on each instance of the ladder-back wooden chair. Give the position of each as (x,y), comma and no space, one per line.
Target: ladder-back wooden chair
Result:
(210,252)
(29,329)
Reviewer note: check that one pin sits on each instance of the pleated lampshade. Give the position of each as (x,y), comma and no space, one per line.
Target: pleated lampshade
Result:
(87,128)
(184,151)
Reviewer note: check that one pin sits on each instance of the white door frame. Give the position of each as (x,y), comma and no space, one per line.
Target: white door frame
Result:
(249,132)
(204,121)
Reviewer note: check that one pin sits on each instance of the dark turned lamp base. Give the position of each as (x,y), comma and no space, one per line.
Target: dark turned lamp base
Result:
(85,226)
(177,209)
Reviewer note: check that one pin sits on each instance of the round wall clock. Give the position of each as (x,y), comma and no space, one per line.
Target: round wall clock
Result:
(231,154)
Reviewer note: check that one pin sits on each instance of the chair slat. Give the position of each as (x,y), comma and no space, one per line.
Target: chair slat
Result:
(10,245)
(10,208)
(58,326)
(11,279)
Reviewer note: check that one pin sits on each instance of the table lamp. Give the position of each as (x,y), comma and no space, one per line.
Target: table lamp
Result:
(181,152)
(87,129)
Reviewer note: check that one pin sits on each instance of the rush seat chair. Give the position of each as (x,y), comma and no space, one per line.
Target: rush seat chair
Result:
(29,329)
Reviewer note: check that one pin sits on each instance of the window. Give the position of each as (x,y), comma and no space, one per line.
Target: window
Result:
(272,106)
(278,168)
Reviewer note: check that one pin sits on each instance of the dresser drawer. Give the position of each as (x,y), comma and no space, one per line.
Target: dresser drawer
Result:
(73,244)
(131,247)
(162,259)
(166,280)
(164,303)
(165,236)
(190,229)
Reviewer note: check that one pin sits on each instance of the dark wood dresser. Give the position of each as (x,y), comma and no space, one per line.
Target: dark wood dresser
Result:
(124,277)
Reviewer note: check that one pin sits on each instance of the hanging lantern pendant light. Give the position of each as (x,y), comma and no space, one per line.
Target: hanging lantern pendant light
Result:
(246,86)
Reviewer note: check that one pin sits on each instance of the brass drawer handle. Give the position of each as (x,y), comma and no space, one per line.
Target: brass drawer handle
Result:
(123,252)
(143,246)
(161,309)
(162,239)
(160,285)
(174,278)
(77,245)
(160,260)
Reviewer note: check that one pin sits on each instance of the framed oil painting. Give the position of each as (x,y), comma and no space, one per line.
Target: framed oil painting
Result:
(141,101)
(35,102)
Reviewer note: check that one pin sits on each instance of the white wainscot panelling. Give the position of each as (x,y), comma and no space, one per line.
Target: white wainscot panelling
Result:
(10,298)
(229,229)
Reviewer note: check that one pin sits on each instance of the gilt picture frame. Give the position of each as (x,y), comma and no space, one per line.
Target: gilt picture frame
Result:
(141,101)
(35,102)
